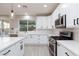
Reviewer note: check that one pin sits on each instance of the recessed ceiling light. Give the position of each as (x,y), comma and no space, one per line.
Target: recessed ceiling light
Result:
(45,6)
(19,6)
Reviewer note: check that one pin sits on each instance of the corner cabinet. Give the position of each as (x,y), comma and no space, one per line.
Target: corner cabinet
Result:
(62,51)
(15,50)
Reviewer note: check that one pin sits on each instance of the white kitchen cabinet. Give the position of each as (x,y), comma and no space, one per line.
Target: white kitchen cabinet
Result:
(39,23)
(71,11)
(15,50)
(43,39)
(31,39)
(43,22)
(20,48)
(36,39)
(62,51)
(49,22)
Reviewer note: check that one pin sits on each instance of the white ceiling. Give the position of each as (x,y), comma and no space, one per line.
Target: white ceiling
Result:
(33,9)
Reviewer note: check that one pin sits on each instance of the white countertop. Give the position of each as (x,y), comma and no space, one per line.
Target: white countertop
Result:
(5,42)
(71,45)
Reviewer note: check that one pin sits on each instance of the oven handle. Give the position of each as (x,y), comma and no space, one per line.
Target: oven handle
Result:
(51,43)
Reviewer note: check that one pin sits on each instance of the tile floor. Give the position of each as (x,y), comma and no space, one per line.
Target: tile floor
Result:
(36,50)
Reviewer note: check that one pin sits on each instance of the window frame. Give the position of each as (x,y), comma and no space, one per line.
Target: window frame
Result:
(28,25)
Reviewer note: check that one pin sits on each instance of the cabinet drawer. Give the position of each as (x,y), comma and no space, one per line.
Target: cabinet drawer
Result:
(10,51)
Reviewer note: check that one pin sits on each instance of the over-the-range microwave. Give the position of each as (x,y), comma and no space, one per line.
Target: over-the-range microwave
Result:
(61,22)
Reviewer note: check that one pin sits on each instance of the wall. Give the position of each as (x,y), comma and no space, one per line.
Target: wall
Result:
(15,24)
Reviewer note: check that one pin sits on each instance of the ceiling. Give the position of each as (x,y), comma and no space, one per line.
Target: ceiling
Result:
(33,9)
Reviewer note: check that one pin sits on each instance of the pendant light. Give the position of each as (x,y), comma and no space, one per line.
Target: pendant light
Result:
(12,12)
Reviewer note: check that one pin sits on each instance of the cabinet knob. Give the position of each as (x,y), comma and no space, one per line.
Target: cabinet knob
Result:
(77,21)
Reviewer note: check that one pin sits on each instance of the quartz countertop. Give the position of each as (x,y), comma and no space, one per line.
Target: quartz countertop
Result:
(5,42)
(71,45)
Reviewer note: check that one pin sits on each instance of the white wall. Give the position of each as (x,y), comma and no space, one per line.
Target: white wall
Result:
(15,24)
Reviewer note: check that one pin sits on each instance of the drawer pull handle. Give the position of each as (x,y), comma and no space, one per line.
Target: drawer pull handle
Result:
(66,53)
(77,21)
(74,22)
(7,52)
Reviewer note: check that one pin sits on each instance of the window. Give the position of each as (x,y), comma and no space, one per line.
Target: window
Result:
(27,25)
(4,28)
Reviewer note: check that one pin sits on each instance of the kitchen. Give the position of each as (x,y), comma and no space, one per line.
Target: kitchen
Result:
(26,29)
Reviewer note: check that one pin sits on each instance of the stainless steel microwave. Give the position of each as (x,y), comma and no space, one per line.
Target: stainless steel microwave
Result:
(61,22)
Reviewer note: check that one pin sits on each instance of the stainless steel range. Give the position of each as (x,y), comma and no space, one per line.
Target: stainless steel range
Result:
(53,41)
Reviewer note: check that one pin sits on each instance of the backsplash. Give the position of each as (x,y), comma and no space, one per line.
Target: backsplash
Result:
(75,32)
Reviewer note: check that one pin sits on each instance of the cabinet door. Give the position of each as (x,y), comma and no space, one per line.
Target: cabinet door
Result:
(62,51)
(71,14)
(71,11)
(49,22)
(11,51)
(15,50)
(42,22)
(20,48)
(43,39)
(31,39)
(39,23)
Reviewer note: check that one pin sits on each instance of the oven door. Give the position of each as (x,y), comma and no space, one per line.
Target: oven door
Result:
(52,49)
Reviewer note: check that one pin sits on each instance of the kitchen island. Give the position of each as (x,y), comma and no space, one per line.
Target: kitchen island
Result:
(11,46)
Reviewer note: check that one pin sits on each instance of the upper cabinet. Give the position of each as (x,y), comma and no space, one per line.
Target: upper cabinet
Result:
(43,22)
(72,14)
(71,11)
(54,15)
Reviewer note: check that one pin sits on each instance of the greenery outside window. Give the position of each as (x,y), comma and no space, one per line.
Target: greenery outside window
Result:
(27,25)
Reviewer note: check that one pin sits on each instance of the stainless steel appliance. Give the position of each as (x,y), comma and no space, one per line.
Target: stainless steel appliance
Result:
(53,41)
(61,22)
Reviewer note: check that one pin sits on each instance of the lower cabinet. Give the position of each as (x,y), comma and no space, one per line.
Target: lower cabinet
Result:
(62,51)
(36,39)
(14,50)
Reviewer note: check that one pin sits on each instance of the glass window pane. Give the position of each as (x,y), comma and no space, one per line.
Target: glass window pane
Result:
(31,27)
(31,22)
(23,22)
(23,25)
